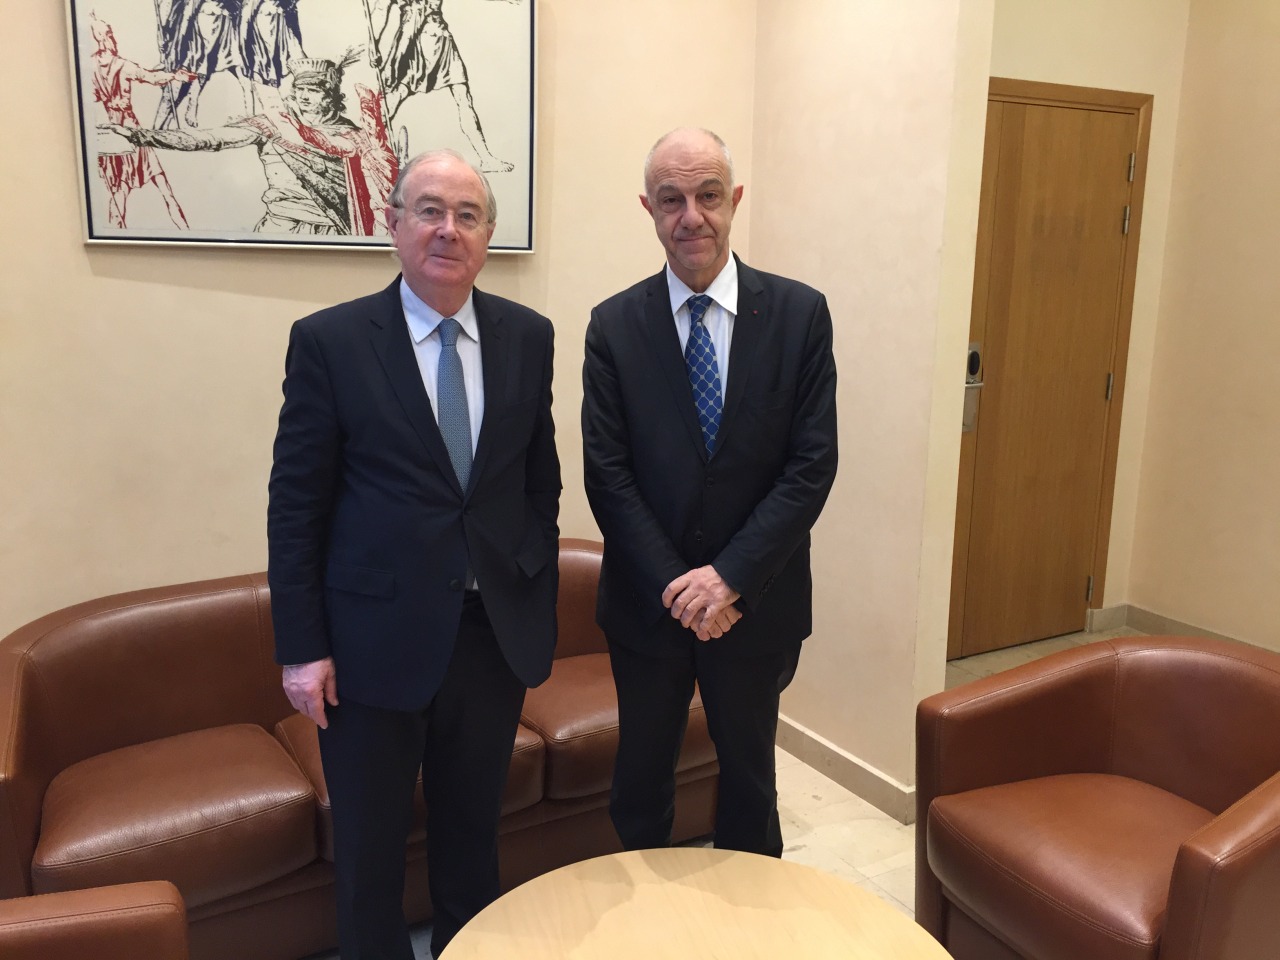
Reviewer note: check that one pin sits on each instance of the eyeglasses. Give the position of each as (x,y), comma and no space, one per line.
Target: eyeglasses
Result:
(432,215)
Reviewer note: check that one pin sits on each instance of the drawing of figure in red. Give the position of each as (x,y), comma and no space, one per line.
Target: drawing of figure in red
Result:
(113,79)
(369,161)
(326,174)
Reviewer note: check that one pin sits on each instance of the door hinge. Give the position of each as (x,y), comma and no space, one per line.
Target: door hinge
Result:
(1088,591)
(1111,381)
(1126,220)
(1133,161)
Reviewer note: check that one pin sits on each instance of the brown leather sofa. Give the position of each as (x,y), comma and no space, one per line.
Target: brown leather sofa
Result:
(1118,801)
(145,737)
(130,921)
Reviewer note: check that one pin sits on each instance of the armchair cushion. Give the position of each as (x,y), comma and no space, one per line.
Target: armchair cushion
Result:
(576,712)
(216,811)
(1026,856)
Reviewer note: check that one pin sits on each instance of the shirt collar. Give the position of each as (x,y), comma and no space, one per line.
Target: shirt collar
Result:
(423,320)
(723,289)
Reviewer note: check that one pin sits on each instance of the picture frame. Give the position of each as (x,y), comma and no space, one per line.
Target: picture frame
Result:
(282,123)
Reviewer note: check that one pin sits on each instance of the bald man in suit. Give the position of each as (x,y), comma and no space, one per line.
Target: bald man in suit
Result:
(709,437)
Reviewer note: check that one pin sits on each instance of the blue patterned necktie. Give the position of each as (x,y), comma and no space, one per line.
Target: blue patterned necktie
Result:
(704,372)
(451,402)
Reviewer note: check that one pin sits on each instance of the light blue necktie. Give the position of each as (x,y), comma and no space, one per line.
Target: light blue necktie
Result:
(704,372)
(451,402)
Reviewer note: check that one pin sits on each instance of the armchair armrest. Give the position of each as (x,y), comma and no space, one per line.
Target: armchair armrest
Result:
(1222,899)
(23,780)
(121,922)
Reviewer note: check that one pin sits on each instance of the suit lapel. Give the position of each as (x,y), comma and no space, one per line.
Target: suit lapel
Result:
(495,361)
(749,325)
(394,347)
(664,343)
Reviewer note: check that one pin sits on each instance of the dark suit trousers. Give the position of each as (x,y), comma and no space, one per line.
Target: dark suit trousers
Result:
(741,696)
(463,741)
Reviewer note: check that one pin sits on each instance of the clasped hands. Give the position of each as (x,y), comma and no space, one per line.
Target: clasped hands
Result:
(702,602)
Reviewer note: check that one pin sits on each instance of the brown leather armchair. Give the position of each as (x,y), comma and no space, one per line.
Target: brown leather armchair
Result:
(1118,801)
(131,921)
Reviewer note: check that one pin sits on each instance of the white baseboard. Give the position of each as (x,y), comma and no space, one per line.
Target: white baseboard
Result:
(1157,624)
(1145,621)
(879,789)
(1107,618)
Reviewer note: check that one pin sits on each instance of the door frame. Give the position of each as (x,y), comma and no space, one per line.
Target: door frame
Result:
(1138,105)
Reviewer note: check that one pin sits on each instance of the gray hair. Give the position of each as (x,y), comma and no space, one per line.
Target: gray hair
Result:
(396,197)
(715,137)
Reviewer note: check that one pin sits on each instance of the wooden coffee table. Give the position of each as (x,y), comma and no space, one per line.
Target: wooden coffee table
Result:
(690,902)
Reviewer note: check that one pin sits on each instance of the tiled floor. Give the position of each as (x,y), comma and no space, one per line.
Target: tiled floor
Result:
(826,826)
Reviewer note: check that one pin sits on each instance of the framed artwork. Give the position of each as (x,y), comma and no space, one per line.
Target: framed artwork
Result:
(283,123)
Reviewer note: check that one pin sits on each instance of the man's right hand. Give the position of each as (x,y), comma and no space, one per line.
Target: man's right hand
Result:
(309,685)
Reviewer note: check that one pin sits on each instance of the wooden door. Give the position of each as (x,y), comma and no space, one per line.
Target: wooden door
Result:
(1052,294)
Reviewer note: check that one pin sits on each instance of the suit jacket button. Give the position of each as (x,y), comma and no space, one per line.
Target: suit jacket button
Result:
(455,585)
(698,536)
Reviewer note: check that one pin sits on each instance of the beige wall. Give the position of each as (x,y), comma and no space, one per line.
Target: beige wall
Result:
(1135,46)
(139,387)
(1207,547)
(868,119)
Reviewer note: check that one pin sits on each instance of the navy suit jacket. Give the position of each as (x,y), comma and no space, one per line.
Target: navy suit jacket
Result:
(664,506)
(370,535)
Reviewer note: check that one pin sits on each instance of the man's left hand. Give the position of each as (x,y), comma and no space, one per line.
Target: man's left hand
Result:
(709,628)
(698,598)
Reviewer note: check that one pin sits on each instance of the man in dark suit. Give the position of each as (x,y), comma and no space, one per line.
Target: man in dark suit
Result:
(709,434)
(413,541)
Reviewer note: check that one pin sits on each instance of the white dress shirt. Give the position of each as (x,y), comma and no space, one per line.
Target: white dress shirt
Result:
(719,317)
(423,323)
